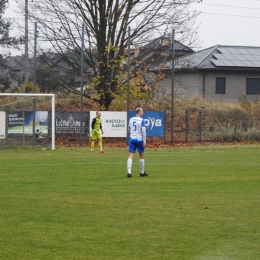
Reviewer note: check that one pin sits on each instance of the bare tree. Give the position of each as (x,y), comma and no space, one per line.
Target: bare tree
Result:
(5,25)
(6,41)
(106,22)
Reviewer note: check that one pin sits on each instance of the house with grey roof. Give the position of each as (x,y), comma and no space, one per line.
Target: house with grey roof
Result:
(12,71)
(66,66)
(160,50)
(219,73)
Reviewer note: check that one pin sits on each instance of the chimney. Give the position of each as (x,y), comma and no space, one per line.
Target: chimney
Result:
(137,51)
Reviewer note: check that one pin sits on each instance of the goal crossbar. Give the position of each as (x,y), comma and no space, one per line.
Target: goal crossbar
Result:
(52,109)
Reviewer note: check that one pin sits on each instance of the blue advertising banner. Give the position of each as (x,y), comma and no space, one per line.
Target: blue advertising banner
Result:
(21,123)
(154,122)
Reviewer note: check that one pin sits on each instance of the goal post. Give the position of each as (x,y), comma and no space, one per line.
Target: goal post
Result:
(23,95)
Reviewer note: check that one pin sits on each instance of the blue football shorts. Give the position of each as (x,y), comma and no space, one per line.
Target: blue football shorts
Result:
(135,144)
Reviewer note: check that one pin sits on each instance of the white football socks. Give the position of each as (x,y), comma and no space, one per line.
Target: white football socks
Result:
(129,165)
(141,162)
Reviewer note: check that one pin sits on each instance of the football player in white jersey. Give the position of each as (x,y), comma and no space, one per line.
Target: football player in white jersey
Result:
(137,141)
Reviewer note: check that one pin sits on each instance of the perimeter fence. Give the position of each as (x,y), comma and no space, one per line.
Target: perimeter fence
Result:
(190,126)
(222,125)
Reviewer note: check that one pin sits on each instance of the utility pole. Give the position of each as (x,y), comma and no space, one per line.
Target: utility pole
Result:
(81,83)
(26,38)
(172,100)
(34,78)
(26,56)
(128,83)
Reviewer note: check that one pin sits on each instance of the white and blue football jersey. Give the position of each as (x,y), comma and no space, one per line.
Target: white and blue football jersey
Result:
(136,128)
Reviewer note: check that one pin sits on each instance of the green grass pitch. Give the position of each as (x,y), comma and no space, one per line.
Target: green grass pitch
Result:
(198,203)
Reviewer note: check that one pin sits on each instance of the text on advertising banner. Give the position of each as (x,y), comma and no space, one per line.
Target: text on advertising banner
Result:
(21,123)
(113,123)
(68,123)
(2,124)
(154,122)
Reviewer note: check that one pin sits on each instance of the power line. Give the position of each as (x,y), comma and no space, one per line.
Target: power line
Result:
(258,17)
(242,7)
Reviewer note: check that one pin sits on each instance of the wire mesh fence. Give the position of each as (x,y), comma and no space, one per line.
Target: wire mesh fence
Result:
(26,120)
(222,125)
(191,125)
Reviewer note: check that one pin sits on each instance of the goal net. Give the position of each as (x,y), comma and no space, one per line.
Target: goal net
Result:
(27,120)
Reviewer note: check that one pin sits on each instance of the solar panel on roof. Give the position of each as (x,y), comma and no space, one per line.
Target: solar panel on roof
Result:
(253,51)
(229,57)
(223,50)
(256,63)
(249,57)
(217,63)
(237,57)
(249,63)
(240,57)
(233,51)
(219,56)
(238,63)
(228,63)
(243,51)
(257,57)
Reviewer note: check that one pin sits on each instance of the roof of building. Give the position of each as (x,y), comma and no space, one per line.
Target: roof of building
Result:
(220,57)
(166,41)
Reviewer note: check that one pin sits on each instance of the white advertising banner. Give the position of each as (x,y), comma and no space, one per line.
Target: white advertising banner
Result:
(2,124)
(113,123)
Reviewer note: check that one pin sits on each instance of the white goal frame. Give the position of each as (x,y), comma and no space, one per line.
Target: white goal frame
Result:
(52,110)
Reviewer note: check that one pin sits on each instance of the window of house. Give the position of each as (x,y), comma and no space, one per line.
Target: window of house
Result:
(253,86)
(220,85)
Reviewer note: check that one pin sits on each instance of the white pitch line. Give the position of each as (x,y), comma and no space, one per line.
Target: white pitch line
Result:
(53,164)
(123,163)
(77,163)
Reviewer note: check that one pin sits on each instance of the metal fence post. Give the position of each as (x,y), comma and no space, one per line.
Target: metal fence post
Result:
(187,125)
(199,126)
(235,126)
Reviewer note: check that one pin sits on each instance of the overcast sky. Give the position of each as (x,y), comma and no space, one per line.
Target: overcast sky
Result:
(225,22)
(228,22)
